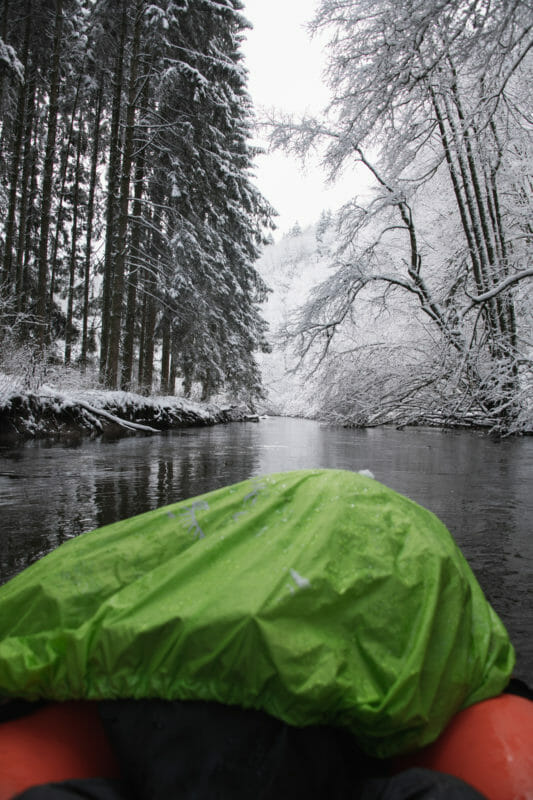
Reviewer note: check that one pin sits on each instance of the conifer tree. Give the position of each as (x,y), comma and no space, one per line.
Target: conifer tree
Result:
(127,126)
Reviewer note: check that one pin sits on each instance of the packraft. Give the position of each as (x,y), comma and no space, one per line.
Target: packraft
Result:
(320,597)
(153,750)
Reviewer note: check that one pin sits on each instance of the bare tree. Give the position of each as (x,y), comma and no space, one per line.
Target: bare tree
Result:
(436,93)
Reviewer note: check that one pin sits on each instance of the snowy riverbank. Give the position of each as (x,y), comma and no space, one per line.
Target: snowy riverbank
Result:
(49,412)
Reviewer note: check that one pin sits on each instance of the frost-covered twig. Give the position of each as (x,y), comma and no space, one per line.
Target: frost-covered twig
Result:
(505,284)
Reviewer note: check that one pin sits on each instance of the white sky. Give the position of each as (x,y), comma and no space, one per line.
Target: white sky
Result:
(285,68)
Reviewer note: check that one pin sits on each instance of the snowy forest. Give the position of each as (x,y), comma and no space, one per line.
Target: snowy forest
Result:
(134,241)
(432,102)
(129,222)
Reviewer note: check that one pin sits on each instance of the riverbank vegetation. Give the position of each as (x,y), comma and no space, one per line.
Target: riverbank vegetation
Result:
(129,220)
(74,411)
(431,104)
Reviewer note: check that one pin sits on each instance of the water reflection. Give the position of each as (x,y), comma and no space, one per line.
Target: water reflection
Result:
(480,488)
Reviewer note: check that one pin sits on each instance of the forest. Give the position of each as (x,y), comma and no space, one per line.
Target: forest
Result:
(131,226)
(129,221)
(431,113)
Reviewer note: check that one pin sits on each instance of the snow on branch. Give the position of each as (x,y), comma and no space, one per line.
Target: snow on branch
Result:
(9,60)
(496,290)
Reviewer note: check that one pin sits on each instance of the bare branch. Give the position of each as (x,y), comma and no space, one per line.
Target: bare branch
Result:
(501,287)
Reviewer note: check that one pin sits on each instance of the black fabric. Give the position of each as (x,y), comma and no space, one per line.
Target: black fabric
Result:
(14,709)
(418,784)
(205,751)
(413,784)
(519,688)
(82,789)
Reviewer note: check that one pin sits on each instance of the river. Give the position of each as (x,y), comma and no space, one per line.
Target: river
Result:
(480,488)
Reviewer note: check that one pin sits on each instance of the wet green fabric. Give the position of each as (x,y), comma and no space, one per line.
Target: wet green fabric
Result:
(318,596)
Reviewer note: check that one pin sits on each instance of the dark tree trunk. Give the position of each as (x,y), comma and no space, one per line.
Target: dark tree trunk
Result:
(165,352)
(28,162)
(135,261)
(73,252)
(140,365)
(29,245)
(3,33)
(112,185)
(90,223)
(117,298)
(16,152)
(48,175)
(173,372)
(61,193)
(148,343)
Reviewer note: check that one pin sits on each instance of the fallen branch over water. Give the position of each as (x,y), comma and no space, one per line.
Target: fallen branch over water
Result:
(99,412)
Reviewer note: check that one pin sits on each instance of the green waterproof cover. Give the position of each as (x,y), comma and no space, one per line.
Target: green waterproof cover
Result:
(319,596)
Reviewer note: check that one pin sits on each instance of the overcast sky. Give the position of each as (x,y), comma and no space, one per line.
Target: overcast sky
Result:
(285,68)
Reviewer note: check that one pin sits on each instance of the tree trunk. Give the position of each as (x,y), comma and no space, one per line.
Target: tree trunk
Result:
(148,344)
(25,192)
(63,171)
(73,253)
(112,184)
(504,331)
(135,261)
(456,184)
(173,371)
(3,33)
(117,298)
(48,174)
(140,365)
(165,352)
(19,131)
(90,223)
(500,319)
(32,222)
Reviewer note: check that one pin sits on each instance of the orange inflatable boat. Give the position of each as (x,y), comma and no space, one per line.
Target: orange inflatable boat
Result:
(55,743)
(489,746)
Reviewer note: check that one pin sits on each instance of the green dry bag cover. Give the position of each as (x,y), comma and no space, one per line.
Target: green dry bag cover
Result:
(318,596)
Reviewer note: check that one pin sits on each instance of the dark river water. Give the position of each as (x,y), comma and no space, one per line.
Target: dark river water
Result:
(481,489)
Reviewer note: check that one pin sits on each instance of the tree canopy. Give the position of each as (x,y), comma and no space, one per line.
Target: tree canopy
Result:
(432,100)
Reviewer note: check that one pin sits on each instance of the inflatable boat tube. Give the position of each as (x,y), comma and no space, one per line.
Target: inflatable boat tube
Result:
(56,743)
(489,746)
